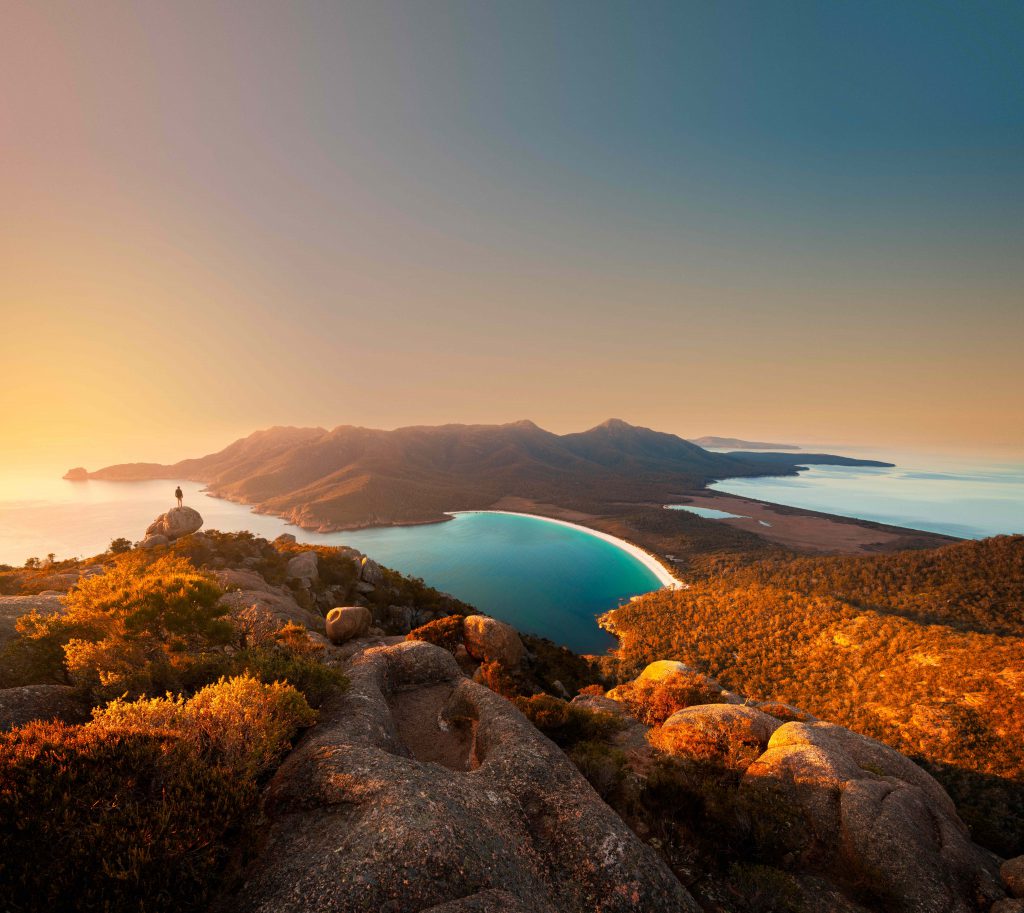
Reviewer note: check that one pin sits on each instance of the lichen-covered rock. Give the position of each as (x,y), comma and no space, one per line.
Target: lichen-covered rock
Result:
(40,702)
(154,541)
(346,622)
(488,901)
(1012,873)
(177,522)
(303,568)
(493,641)
(1008,905)
(876,816)
(420,790)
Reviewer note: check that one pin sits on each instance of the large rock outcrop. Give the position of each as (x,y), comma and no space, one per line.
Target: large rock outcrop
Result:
(258,608)
(421,790)
(727,733)
(872,814)
(177,522)
(493,641)
(1012,872)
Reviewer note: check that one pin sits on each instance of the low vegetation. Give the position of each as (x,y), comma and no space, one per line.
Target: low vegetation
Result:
(139,809)
(652,701)
(913,649)
(143,807)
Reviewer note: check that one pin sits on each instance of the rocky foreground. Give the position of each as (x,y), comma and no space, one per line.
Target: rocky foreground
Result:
(422,789)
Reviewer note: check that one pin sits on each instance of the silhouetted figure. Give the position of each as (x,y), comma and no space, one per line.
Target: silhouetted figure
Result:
(178,495)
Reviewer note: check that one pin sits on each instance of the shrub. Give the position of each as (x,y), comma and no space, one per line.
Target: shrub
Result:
(567,724)
(654,701)
(709,745)
(138,809)
(246,724)
(120,545)
(139,628)
(292,657)
(592,691)
(764,889)
(510,684)
(95,820)
(442,632)
(605,767)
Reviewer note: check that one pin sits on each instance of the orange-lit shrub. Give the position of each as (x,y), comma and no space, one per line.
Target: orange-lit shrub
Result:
(139,809)
(654,700)
(246,724)
(142,627)
(442,632)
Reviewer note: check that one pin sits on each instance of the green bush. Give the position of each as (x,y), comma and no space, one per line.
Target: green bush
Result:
(567,724)
(605,767)
(292,657)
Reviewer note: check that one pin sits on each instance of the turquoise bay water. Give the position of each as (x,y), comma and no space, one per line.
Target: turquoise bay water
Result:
(968,501)
(542,577)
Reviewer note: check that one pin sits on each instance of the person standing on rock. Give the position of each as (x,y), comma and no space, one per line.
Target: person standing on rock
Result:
(179,495)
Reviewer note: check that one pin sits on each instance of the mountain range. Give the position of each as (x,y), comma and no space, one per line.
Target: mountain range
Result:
(350,476)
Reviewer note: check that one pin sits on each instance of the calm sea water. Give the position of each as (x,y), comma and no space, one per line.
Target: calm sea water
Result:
(949,497)
(708,513)
(542,577)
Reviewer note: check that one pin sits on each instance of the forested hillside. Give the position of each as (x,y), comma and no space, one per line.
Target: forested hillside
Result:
(921,650)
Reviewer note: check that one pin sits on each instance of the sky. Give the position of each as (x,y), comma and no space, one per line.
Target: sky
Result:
(790,221)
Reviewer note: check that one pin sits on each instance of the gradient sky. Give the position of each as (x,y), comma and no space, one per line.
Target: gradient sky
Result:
(793,220)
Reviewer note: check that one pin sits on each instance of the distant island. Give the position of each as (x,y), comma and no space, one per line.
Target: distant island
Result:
(353,477)
(735,443)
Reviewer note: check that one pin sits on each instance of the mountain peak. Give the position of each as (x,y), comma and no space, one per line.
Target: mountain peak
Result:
(614,424)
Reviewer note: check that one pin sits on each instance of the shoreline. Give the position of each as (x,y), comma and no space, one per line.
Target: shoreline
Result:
(665,577)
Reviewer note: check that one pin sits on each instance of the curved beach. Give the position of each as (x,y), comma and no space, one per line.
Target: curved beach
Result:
(665,577)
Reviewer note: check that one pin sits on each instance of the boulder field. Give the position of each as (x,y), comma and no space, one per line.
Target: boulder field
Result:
(858,811)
